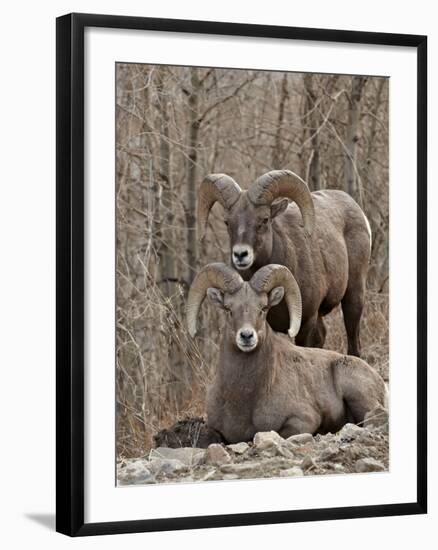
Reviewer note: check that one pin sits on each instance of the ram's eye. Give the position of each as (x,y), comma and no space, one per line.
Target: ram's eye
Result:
(263,222)
(263,310)
(227,223)
(228,311)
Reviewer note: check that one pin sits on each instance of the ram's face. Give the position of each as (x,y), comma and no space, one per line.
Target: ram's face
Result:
(250,231)
(246,312)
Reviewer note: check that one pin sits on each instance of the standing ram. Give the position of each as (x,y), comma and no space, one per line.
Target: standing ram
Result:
(323,237)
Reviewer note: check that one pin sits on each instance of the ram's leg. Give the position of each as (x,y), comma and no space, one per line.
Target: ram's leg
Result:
(362,388)
(352,307)
(360,403)
(321,333)
(300,425)
(358,246)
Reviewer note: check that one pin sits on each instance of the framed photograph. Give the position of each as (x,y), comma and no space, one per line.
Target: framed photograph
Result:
(241,274)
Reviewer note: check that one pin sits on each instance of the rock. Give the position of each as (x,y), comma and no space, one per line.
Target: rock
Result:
(284,451)
(351,449)
(239,448)
(328,454)
(292,472)
(135,472)
(141,479)
(217,455)
(354,452)
(190,456)
(301,439)
(278,463)
(367,438)
(308,463)
(350,432)
(230,477)
(243,468)
(208,475)
(166,466)
(266,440)
(376,418)
(369,465)
(270,452)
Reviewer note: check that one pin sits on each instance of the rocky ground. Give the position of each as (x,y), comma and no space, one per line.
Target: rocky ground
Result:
(354,449)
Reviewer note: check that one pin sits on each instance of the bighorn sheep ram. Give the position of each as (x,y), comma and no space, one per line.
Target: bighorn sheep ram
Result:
(328,253)
(265,382)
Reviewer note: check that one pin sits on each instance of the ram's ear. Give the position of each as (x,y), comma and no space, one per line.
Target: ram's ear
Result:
(278,207)
(275,296)
(215,296)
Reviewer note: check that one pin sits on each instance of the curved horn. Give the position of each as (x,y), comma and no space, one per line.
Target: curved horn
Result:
(284,183)
(270,276)
(215,187)
(215,275)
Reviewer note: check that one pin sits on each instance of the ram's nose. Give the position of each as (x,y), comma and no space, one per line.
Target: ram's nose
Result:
(246,339)
(243,256)
(247,335)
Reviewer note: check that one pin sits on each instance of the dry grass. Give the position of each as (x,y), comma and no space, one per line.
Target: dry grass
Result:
(162,373)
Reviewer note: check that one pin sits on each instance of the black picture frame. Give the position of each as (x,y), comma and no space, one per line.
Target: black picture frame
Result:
(70,273)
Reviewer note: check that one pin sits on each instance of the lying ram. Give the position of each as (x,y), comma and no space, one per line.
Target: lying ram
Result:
(328,253)
(265,382)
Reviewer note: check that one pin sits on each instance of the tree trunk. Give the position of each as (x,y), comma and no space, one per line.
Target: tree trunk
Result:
(352,181)
(378,220)
(313,174)
(192,239)
(168,273)
(277,151)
